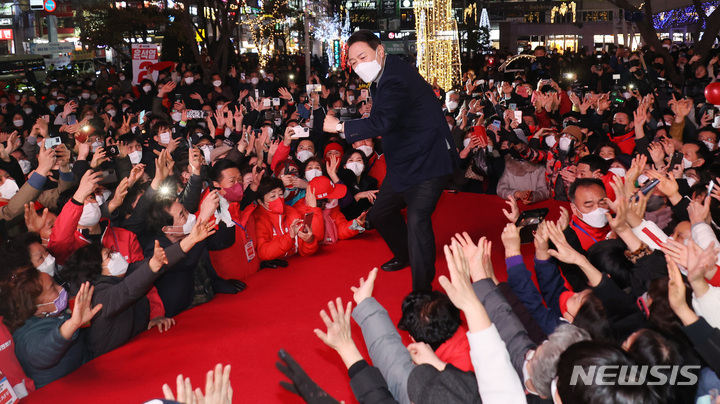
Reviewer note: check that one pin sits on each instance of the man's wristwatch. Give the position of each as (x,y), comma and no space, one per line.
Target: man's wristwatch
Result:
(339,127)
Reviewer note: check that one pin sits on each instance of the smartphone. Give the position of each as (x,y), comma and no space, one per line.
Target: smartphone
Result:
(518,116)
(364,92)
(242,76)
(313,88)
(141,118)
(646,189)
(81,137)
(480,133)
(677,158)
(528,223)
(495,126)
(266,102)
(178,98)
(616,77)
(308,219)
(52,142)
(112,151)
(72,120)
(710,187)
(300,132)
(108,177)
(276,102)
(512,106)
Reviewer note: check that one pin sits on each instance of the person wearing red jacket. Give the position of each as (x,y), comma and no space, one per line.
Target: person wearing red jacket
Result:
(334,224)
(280,228)
(10,368)
(80,223)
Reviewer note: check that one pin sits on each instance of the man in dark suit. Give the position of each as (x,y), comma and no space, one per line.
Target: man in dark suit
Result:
(418,149)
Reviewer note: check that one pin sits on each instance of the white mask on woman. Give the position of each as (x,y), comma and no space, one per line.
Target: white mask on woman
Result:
(90,215)
(117,265)
(312,173)
(48,265)
(8,189)
(356,167)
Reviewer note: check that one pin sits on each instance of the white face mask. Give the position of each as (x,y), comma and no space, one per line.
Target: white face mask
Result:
(165,137)
(350,98)
(627,95)
(526,372)
(100,200)
(642,178)
(96,145)
(368,71)
(147,88)
(270,131)
(550,141)
(117,265)
(341,94)
(710,145)
(278,122)
(189,224)
(18,122)
(106,194)
(176,116)
(687,163)
(356,167)
(85,96)
(304,155)
(450,127)
(617,170)
(25,166)
(9,188)
(312,173)
(331,204)
(135,156)
(28,111)
(90,215)
(466,142)
(48,265)
(367,150)
(121,78)
(254,80)
(112,113)
(691,181)
(596,218)
(554,390)
(189,80)
(565,143)
(217,83)
(206,152)
(451,105)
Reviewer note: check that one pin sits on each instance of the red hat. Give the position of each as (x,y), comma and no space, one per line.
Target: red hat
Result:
(333,146)
(326,189)
(564,297)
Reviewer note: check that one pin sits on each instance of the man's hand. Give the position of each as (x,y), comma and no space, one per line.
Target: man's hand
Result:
(302,384)
(365,289)
(120,193)
(676,295)
(330,124)
(218,389)
(166,88)
(87,185)
(421,354)
(46,160)
(199,232)
(699,213)
(209,205)
(541,242)
(158,259)
(82,312)
(339,336)
(563,251)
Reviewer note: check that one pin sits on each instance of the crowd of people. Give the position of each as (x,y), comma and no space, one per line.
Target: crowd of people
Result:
(133,203)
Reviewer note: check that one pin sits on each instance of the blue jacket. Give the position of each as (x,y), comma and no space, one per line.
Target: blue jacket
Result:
(551,286)
(43,353)
(416,139)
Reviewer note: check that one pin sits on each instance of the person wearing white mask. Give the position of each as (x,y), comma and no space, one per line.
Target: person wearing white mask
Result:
(122,289)
(377,168)
(313,169)
(452,102)
(694,154)
(38,254)
(172,223)
(80,223)
(418,149)
(709,136)
(360,184)
(8,186)
(589,208)
(305,150)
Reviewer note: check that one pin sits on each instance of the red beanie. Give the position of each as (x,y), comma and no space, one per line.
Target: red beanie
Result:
(333,146)
(564,297)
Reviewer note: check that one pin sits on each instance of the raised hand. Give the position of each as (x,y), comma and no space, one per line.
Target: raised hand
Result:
(514,214)
(87,185)
(135,174)
(564,221)
(365,289)
(34,222)
(209,205)
(677,295)
(82,312)
(699,212)
(120,194)
(159,258)
(310,199)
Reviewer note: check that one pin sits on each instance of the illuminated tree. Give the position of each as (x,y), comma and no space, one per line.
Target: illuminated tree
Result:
(437,42)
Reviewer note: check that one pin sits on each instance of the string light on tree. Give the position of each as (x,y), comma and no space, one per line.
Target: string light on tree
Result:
(437,42)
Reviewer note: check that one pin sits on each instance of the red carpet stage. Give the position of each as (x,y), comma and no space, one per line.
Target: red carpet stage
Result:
(279,309)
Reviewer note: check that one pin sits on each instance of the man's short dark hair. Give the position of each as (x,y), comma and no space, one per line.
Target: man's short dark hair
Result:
(703,151)
(366,36)
(429,317)
(710,129)
(583,183)
(596,163)
(220,166)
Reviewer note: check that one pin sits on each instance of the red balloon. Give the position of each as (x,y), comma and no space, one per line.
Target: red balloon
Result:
(712,93)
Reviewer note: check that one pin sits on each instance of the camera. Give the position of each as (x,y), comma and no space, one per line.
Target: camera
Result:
(272,115)
(52,142)
(347,114)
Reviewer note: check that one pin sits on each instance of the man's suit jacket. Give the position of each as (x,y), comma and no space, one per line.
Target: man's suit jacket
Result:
(416,139)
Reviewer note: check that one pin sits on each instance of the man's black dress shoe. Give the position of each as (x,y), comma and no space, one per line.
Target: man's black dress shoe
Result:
(394,265)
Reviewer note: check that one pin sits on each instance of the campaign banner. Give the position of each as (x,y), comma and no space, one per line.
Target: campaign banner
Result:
(144,55)
(52,47)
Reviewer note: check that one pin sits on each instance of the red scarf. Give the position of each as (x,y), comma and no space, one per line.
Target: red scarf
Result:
(456,350)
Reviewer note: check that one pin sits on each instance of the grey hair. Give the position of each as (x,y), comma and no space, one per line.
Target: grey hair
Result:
(543,367)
